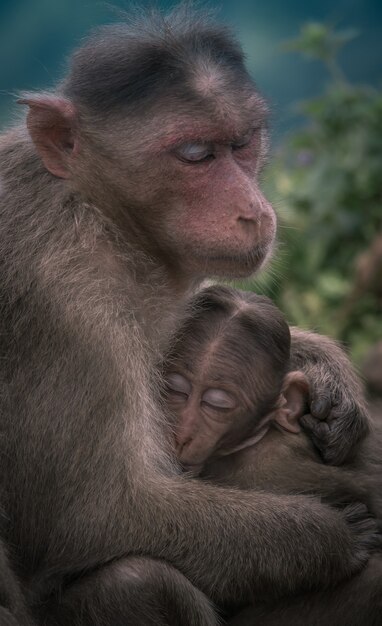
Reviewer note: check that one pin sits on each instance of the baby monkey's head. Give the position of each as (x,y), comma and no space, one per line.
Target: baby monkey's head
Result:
(226,376)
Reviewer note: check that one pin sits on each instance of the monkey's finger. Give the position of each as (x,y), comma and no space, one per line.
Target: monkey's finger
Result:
(317,428)
(321,405)
(328,437)
(335,423)
(321,436)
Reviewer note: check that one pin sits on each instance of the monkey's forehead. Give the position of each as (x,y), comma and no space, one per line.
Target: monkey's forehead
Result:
(177,129)
(122,66)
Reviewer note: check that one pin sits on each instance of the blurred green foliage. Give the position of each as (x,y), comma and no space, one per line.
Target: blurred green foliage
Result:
(326,181)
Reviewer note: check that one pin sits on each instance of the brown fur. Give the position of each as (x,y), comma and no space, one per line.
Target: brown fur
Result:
(13,611)
(285,463)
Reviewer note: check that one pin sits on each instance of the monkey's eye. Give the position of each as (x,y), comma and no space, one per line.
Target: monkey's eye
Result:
(195,152)
(178,384)
(244,141)
(218,399)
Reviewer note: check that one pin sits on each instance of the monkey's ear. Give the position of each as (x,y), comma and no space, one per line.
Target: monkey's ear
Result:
(294,395)
(52,122)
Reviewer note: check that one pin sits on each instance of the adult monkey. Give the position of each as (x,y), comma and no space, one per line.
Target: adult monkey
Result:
(133,182)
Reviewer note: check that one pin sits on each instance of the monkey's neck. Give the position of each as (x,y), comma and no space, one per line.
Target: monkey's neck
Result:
(157,290)
(153,265)
(77,253)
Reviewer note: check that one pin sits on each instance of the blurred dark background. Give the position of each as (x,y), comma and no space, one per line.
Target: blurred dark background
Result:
(319,63)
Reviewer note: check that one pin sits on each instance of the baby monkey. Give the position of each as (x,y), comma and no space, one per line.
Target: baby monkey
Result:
(236,405)
(227,379)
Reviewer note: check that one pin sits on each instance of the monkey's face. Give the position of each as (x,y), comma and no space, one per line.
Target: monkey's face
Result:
(180,176)
(209,419)
(208,213)
(188,184)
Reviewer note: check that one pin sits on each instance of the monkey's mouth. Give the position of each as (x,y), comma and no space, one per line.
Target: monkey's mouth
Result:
(250,259)
(192,468)
(238,263)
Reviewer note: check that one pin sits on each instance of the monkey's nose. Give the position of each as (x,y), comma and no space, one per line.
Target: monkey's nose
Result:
(260,225)
(181,445)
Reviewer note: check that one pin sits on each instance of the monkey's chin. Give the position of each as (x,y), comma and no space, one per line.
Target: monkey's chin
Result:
(235,264)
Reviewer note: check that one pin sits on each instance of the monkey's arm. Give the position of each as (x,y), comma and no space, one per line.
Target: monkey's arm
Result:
(286,463)
(356,601)
(338,417)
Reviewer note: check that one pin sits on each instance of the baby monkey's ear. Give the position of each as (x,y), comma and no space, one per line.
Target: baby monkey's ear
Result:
(293,399)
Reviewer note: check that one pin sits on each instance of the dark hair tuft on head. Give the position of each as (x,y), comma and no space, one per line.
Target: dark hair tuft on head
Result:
(148,56)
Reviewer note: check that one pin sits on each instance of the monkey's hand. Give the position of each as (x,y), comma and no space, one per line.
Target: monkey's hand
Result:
(338,417)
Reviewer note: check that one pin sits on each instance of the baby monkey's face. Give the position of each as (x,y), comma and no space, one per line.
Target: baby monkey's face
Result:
(213,414)
(216,416)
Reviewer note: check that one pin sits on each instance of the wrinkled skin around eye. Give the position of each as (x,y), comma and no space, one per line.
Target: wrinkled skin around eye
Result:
(177,382)
(194,152)
(219,399)
(244,141)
